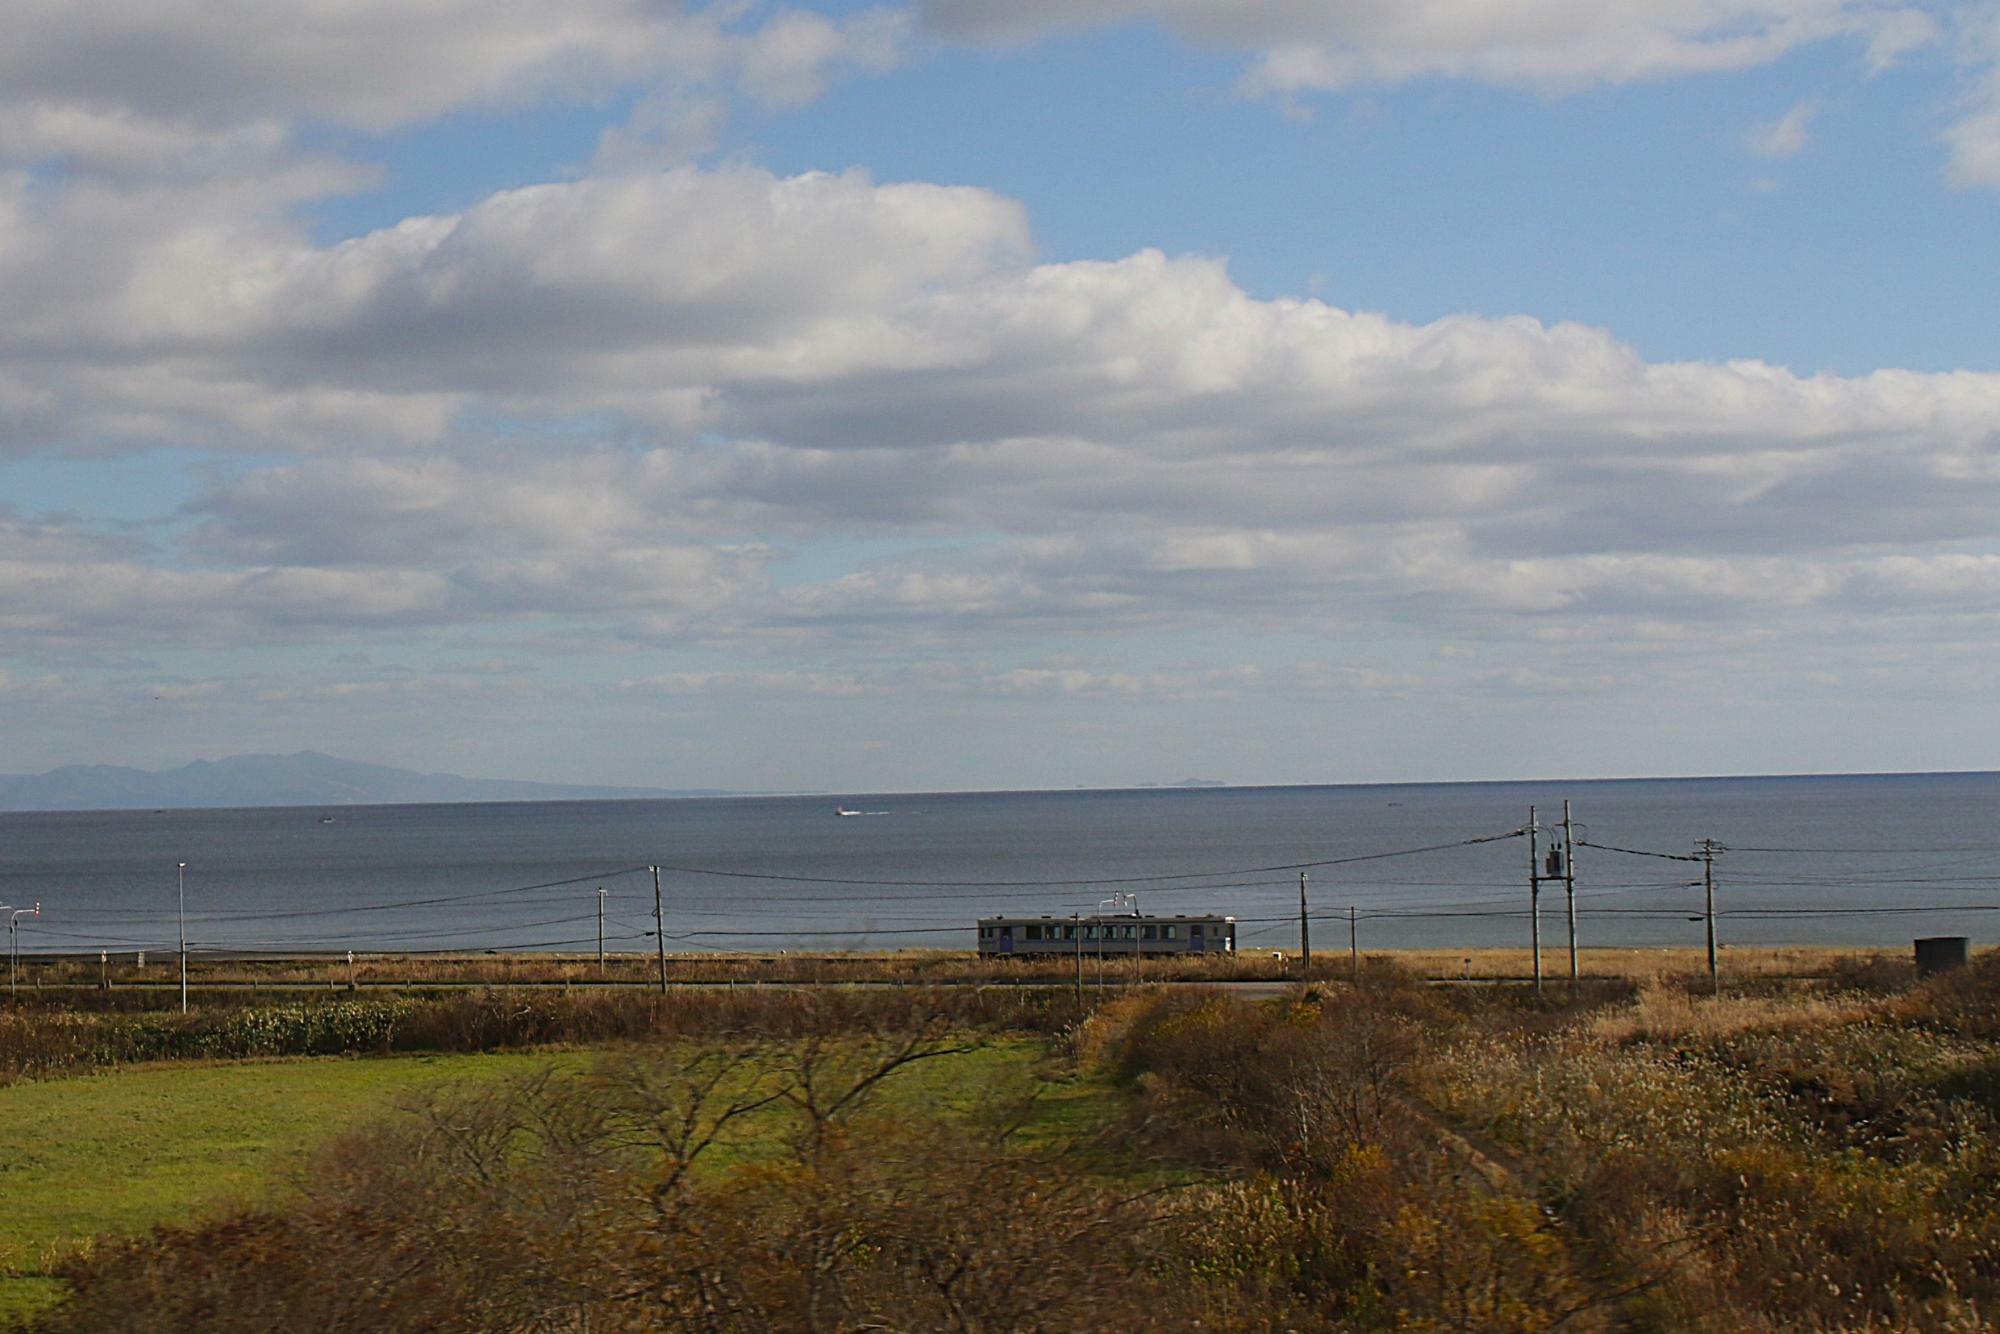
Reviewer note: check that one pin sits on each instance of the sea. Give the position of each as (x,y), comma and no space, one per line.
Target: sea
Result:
(1873,860)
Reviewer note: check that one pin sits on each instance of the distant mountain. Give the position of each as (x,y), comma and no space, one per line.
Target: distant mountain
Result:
(305,779)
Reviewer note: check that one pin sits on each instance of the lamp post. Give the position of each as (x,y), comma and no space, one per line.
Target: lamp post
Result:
(600,931)
(183,916)
(14,943)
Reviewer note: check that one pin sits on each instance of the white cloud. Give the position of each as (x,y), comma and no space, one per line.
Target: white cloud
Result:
(788,61)
(200,313)
(790,684)
(1975,147)
(1974,139)
(958,680)
(700,371)
(1785,136)
(378,64)
(647,412)
(193,91)
(104,137)
(1555,46)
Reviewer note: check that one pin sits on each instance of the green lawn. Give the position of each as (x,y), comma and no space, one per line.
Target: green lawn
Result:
(120,1151)
(117,1152)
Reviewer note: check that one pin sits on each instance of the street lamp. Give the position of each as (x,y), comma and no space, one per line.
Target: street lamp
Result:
(14,943)
(184,933)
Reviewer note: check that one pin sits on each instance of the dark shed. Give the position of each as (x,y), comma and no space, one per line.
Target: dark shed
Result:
(1936,954)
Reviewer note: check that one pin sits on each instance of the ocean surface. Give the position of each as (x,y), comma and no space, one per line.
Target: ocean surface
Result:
(1865,860)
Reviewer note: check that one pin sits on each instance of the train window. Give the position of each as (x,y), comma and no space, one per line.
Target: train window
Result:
(1090,933)
(1069,932)
(1128,932)
(1194,928)
(1152,932)
(1034,932)
(1168,931)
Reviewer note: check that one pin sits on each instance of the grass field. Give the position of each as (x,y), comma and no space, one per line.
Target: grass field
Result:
(1793,1153)
(121,1151)
(1736,963)
(117,1152)
(909,967)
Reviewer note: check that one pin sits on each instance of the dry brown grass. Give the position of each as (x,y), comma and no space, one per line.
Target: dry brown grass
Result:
(1660,1013)
(1788,1156)
(1737,964)
(1641,966)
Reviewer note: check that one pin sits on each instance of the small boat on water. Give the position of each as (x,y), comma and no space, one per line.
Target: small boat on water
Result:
(842,810)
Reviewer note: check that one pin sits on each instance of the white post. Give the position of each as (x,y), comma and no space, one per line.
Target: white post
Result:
(184,935)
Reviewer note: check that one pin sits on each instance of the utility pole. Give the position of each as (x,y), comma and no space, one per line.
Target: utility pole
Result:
(1076,928)
(184,935)
(1305,932)
(1569,888)
(1353,943)
(14,941)
(1709,848)
(1535,893)
(600,931)
(660,930)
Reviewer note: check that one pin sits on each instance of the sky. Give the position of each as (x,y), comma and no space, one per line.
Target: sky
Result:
(1001,393)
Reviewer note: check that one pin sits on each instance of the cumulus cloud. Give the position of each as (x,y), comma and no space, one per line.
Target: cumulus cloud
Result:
(703,373)
(958,680)
(182,312)
(823,437)
(1558,47)
(378,64)
(1974,138)
(1785,136)
(62,587)
(203,92)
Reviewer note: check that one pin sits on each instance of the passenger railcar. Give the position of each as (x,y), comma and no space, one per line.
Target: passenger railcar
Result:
(1111,934)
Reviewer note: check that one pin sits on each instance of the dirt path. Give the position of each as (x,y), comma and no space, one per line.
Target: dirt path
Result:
(1613,1292)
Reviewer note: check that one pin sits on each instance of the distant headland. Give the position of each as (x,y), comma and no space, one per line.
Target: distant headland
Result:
(307,778)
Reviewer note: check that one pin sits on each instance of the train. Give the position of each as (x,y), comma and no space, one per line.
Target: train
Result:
(1114,934)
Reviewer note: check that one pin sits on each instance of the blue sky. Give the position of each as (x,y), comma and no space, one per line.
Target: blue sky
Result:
(980,395)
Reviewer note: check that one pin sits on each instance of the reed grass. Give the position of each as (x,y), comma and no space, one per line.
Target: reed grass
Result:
(914,967)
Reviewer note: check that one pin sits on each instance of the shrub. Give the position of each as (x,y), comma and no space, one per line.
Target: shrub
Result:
(1965,1000)
(36,1043)
(571,1201)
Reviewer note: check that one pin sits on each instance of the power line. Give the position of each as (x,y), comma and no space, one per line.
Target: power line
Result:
(1637,852)
(1089,880)
(1860,912)
(362,937)
(1862,852)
